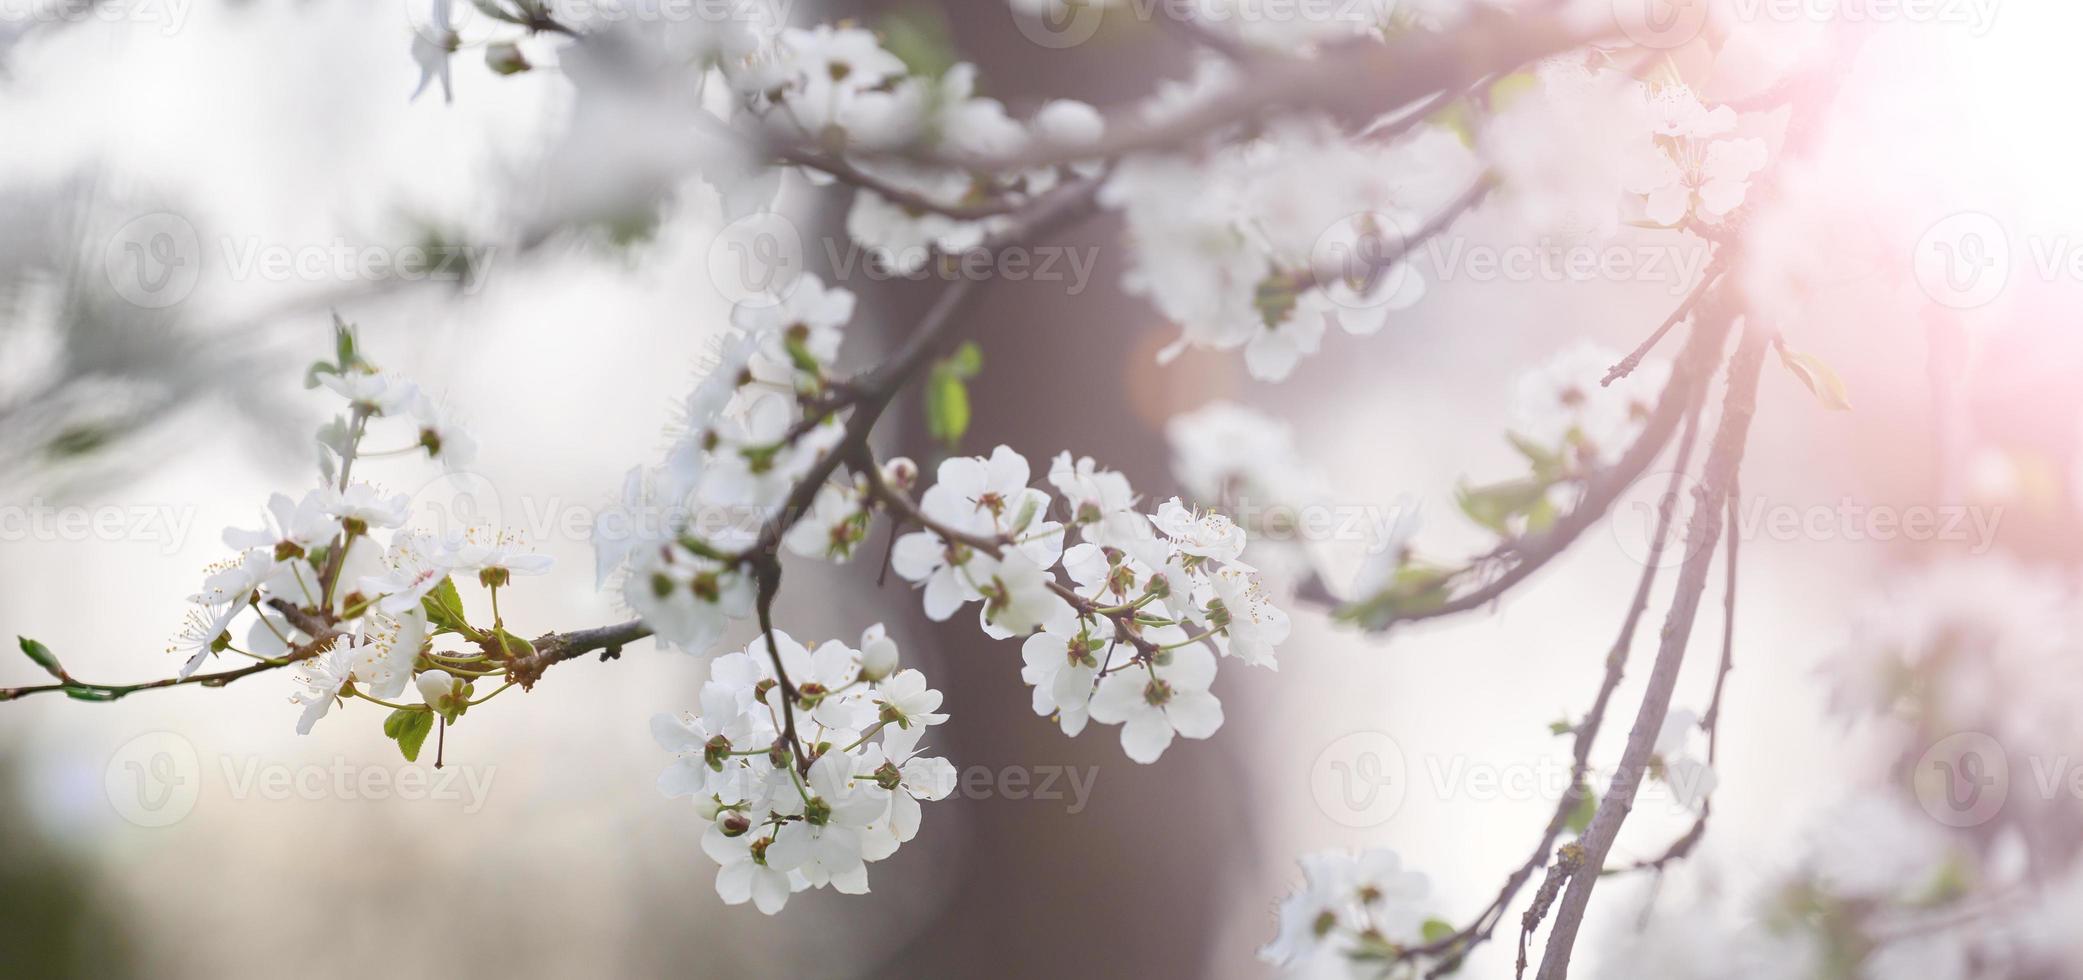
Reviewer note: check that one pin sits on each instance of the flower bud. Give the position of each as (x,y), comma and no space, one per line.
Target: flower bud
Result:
(505,58)
(901,472)
(878,654)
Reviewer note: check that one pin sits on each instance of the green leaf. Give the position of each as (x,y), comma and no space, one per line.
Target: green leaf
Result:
(79,440)
(1413,589)
(511,645)
(91,694)
(43,656)
(444,608)
(409,727)
(1435,930)
(317,369)
(1560,726)
(1276,300)
(345,354)
(966,362)
(1580,816)
(1512,87)
(1542,515)
(947,407)
(1495,505)
(1545,462)
(1818,376)
(919,36)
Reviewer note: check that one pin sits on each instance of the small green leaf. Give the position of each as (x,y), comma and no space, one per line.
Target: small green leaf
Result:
(966,362)
(1546,462)
(1512,87)
(1495,505)
(316,370)
(1818,376)
(1276,299)
(1435,930)
(1560,726)
(511,645)
(1413,589)
(345,354)
(409,727)
(91,694)
(444,608)
(920,38)
(43,656)
(947,407)
(1586,808)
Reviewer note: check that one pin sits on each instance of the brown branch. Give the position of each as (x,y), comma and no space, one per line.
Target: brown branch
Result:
(1703,533)
(1633,360)
(1683,846)
(323,638)
(901,196)
(1695,365)
(1457,946)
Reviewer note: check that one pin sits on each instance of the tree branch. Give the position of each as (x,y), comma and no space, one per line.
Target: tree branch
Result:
(1457,946)
(1703,533)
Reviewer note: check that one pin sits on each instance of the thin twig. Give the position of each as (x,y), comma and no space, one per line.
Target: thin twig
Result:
(1633,360)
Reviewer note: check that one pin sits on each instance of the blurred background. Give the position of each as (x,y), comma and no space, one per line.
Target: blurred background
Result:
(192,833)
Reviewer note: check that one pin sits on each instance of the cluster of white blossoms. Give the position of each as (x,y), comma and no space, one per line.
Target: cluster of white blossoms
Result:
(1871,887)
(678,536)
(1587,146)
(340,583)
(1261,246)
(775,825)
(1965,645)
(1353,914)
(1565,407)
(1152,602)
